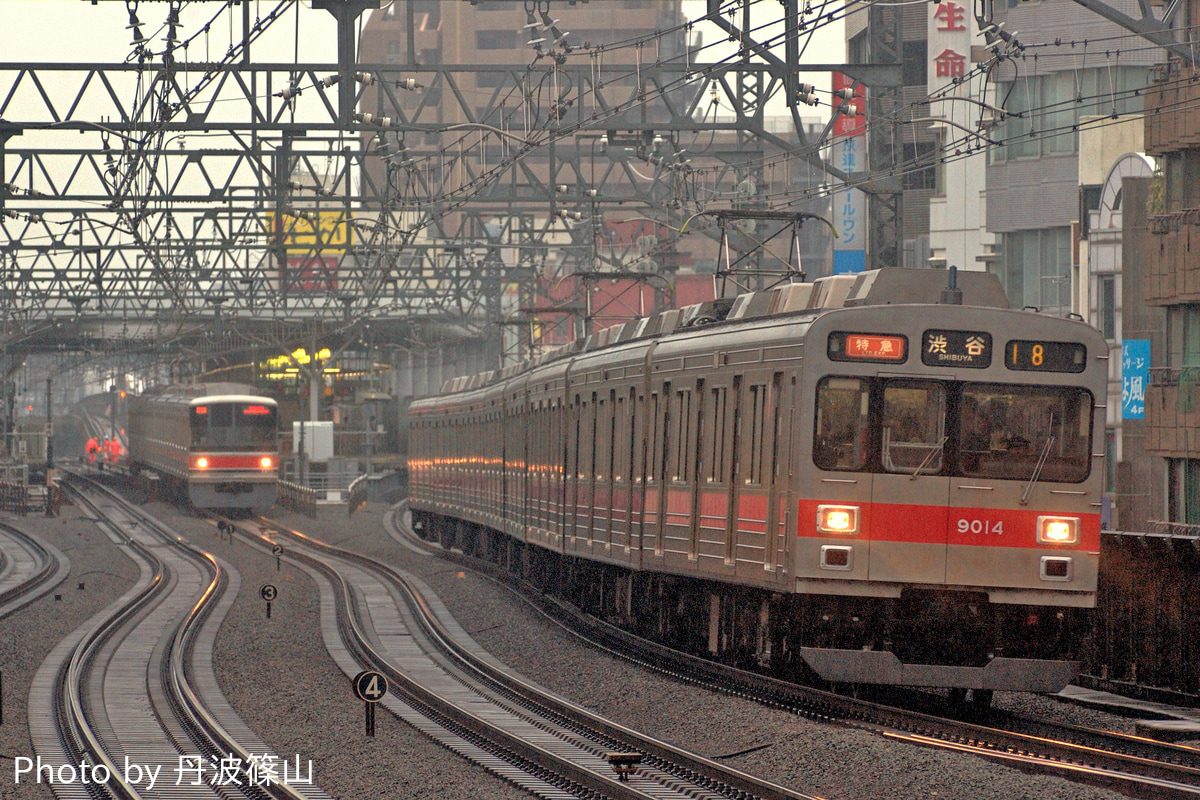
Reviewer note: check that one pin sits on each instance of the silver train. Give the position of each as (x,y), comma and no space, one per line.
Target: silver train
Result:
(874,478)
(218,441)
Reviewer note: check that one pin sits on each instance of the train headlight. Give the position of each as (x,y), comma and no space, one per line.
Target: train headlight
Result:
(201,463)
(1058,530)
(266,462)
(837,519)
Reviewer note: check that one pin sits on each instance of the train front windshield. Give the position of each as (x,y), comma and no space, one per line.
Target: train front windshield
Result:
(234,426)
(976,430)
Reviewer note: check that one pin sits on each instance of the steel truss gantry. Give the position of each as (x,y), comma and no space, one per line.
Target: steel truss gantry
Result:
(164,194)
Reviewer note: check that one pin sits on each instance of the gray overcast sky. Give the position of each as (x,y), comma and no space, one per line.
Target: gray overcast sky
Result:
(76,30)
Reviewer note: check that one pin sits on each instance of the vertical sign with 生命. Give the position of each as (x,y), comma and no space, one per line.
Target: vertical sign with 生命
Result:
(1135,375)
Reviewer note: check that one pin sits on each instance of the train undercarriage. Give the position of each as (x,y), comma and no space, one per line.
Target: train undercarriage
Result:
(947,639)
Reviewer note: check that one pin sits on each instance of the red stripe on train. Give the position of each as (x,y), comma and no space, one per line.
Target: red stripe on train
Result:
(924,524)
(235,462)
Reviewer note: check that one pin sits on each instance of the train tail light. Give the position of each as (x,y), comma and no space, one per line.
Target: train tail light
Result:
(1057,530)
(837,519)
(201,463)
(266,462)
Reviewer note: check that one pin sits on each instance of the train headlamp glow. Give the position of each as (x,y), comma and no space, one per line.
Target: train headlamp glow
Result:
(266,462)
(1058,530)
(201,463)
(837,519)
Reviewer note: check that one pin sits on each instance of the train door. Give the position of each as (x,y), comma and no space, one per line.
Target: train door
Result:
(755,491)
(678,505)
(910,492)
(624,421)
(602,495)
(714,477)
(574,419)
(654,469)
(638,453)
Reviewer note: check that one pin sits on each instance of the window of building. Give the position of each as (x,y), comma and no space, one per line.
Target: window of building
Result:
(1037,269)
(1050,107)
(395,52)
(914,70)
(1183,490)
(496,40)
(920,165)
(1108,306)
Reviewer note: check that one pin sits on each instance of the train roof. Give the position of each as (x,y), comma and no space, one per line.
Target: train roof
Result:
(216,392)
(891,286)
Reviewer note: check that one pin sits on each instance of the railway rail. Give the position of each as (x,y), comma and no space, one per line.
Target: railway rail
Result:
(132,687)
(1131,764)
(380,618)
(31,568)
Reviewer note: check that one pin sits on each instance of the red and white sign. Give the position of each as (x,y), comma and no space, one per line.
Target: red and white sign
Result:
(843,124)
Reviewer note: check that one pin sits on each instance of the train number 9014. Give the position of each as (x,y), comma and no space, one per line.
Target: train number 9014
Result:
(981,526)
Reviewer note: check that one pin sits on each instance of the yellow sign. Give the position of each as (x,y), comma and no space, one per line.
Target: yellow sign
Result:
(300,356)
(312,232)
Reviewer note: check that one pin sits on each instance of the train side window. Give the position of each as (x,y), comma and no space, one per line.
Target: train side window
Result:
(653,467)
(716,449)
(602,438)
(913,425)
(680,452)
(758,412)
(843,410)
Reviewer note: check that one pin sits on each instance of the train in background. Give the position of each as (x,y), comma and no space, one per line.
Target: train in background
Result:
(218,442)
(875,479)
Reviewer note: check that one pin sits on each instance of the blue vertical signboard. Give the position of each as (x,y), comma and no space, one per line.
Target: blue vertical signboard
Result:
(849,211)
(1135,376)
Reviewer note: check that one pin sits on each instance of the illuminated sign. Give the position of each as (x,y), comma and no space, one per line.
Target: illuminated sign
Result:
(867,347)
(201,409)
(256,410)
(944,348)
(1033,356)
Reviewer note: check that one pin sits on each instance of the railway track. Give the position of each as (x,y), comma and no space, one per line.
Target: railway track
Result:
(129,702)
(379,618)
(31,568)
(1130,764)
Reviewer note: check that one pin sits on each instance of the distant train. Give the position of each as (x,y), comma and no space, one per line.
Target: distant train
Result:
(218,440)
(874,478)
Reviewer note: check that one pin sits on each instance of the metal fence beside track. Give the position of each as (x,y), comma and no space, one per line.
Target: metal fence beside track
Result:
(1146,631)
(301,499)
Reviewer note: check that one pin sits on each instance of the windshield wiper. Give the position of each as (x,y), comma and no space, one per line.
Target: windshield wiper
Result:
(930,455)
(1041,462)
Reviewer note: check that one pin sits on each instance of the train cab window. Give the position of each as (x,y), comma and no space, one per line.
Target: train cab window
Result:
(1005,431)
(913,426)
(234,426)
(841,436)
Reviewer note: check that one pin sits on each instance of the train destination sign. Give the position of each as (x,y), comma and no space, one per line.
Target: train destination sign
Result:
(1033,356)
(947,348)
(867,347)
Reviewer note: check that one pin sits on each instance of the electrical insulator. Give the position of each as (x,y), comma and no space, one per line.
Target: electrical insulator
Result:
(365,78)
(844,94)
(407,83)
(805,88)
(330,80)
(371,119)
(288,93)
(808,98)
(849,109)
(561,188)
